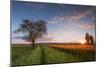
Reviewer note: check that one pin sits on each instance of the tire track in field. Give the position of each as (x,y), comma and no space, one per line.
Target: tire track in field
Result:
(43,55)
(31,58)
(52,55)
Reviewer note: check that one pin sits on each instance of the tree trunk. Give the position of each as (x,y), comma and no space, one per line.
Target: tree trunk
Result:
(33,43)
(32,38)
(88,42)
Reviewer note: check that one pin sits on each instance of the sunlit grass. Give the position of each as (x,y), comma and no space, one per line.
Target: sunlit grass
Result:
(47,54)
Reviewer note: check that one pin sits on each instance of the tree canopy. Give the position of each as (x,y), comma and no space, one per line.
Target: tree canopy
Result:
(33,29)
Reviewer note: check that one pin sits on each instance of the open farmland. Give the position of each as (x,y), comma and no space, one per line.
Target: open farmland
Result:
(48,54)
(75,46)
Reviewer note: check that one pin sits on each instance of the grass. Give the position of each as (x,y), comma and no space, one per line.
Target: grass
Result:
(26,55)
(81,55)
(56,56)
(20,52)
(81,52)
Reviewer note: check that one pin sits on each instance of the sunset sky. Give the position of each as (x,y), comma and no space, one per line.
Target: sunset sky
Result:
(65,23)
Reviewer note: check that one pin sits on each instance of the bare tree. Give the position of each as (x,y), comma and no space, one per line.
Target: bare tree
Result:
(34,30)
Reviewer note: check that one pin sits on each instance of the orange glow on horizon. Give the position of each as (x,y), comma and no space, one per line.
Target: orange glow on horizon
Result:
(82,41)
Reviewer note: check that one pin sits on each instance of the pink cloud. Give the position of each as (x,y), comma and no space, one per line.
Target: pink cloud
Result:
(87,26)
(77,16)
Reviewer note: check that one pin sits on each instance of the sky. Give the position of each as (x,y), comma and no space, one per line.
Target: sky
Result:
(65,22)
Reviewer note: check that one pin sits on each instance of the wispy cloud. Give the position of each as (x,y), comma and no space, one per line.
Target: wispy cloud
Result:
(77,15)
(58,19)
(87,26)
(64,35)
(19,41)
(74,17)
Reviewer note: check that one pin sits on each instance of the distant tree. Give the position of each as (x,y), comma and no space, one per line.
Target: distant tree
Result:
(87,38)
(34,30)
(91,40)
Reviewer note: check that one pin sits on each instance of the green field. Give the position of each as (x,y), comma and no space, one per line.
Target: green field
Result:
(26,55)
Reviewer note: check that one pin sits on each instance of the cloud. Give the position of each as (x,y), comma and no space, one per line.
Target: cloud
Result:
(73,17)
(19,41)
(63,35)
(17,35)
(46,38)
(87,26)
(18,38)
(77,15)
(58,19)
